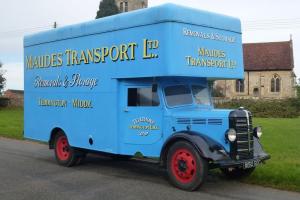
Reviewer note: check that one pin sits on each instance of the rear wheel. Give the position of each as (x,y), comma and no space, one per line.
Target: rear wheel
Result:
(237,173)
(187,170)
(66,155)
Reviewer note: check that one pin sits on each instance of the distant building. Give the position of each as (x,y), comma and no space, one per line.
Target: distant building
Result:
(268,73)
(16,97)
(130,5)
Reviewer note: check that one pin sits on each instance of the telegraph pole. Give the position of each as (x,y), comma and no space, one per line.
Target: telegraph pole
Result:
(55,25)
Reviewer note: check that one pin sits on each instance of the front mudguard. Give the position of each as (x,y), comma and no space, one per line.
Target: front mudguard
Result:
(258,149)
(206,147)
(210,149)
(259,156)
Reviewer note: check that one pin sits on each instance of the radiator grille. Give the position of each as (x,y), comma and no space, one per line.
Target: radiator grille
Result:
(244,144)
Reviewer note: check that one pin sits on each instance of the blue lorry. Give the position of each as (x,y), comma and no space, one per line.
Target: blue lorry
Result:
(138,82)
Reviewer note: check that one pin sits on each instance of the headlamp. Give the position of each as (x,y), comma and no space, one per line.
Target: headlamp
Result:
(231,135)
(257,132)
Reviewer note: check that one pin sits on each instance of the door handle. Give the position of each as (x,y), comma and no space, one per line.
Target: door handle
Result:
(126,110)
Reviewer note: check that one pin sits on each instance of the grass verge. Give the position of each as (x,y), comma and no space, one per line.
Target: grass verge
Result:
(11,122)
(281,139)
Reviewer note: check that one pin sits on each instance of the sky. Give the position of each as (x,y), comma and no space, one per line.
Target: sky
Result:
(262,21)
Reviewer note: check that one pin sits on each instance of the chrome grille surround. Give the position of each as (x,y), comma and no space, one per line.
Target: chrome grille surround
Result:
(242,148)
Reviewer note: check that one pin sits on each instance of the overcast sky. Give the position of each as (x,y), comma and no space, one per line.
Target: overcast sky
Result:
(262,21)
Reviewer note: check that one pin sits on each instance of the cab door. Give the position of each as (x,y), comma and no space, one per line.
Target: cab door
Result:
(141,114)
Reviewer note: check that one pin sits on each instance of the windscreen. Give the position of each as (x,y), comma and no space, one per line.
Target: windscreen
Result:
(178,95)
(201,94)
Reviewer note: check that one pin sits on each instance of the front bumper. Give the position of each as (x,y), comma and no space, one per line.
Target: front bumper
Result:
(256,160)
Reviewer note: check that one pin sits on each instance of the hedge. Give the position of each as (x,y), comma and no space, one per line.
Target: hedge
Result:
(288,108)
(4,102)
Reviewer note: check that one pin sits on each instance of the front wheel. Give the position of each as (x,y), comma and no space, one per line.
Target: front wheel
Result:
(187,170)
(66,155)
(237,173)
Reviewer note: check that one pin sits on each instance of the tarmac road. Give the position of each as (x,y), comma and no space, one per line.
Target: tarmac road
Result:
(28,171)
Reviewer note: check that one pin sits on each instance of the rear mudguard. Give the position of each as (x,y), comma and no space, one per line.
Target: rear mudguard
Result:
(207,147)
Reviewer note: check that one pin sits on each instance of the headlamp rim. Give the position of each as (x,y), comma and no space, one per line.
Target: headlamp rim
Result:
(256,130)
(227,135)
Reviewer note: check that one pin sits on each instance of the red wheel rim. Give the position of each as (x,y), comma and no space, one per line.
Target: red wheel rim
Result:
(62,148)
(183,165)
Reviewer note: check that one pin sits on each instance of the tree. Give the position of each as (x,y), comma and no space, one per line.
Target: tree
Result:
(107,8)
(2,78)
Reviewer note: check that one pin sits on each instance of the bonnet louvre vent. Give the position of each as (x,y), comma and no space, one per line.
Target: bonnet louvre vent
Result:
(214,121)
(199,121)
(189,121)
(183,121)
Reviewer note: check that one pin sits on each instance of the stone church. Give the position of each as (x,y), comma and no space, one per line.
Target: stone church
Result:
(130,5)
(268,73)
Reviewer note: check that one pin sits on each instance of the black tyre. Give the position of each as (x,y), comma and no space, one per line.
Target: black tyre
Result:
(81,157)
(237,173)
(66,155)
(187,170)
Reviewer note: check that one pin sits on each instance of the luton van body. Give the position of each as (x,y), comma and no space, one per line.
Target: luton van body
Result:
(138,83)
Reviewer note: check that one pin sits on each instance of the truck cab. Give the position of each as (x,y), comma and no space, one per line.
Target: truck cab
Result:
(155,109)
(169,109)
(139,83)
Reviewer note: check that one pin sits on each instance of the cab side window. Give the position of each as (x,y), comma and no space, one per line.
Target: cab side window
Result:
(142,97)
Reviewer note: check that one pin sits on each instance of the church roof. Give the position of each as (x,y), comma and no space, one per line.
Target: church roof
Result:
(15,91)
(268,56)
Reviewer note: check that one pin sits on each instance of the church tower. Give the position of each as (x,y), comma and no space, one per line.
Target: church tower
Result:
(130,5)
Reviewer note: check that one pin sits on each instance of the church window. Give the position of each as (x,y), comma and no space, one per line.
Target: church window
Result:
(239,86)
(126,6)
(275,83)
(121,6)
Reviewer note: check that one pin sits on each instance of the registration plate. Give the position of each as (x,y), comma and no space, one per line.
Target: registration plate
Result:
(250,164)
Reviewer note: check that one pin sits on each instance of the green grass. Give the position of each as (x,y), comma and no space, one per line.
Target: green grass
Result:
(11,122)
(281,139)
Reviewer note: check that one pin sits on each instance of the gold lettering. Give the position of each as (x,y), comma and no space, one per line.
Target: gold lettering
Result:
(74,58)
(77,103)
(52,103)
(211,53)
(53,60)
(83,58)
(97,55)
(123,52)
(40,61)
(105,53)
(36,62)
(47,61)
(201,52)
(145,52)
(68,53)
(59,59)
(132,46)
(90,56)
(111,53)
(29,63)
